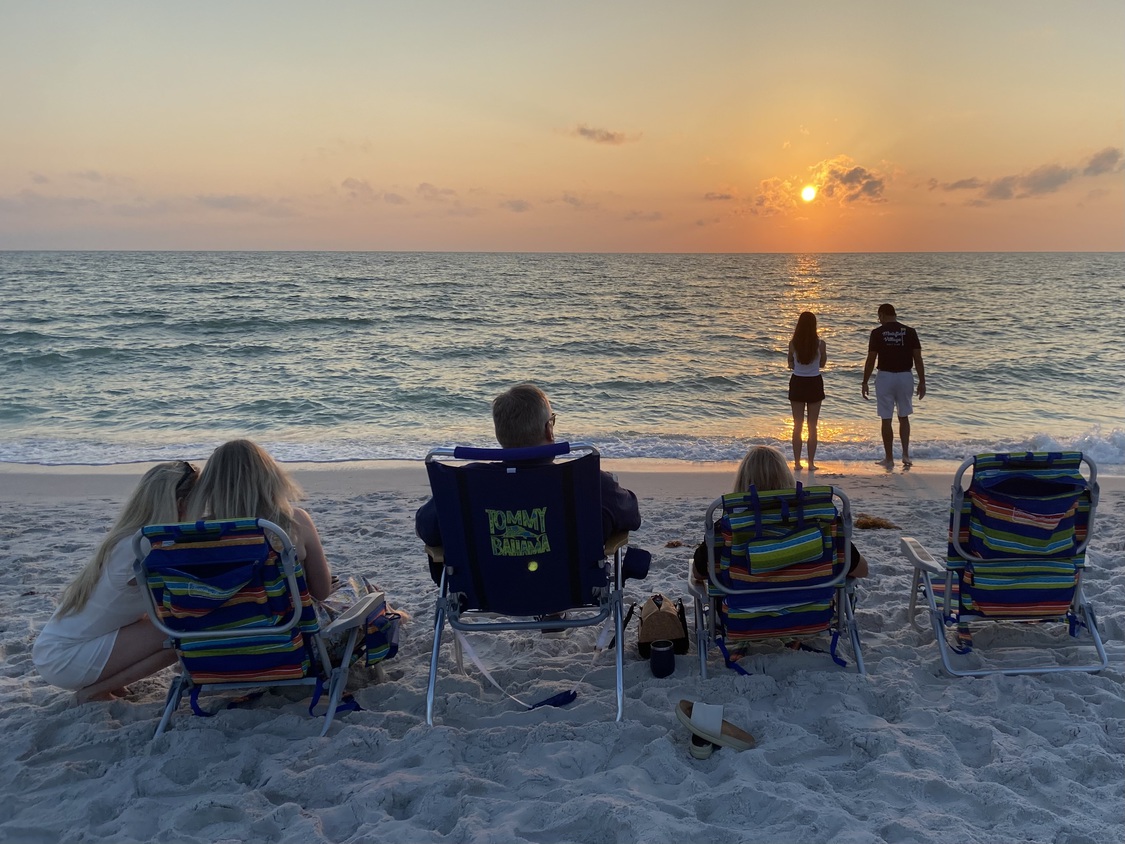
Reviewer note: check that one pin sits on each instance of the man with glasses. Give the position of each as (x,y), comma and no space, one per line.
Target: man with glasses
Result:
(522,418)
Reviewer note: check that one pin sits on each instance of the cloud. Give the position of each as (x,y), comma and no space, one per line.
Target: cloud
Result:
(341,148)
(838,179)
(139,206)
(961,184)
(432,193)
(459,210)
(599,136)
(718,197)
(97,177)
(31,201)
(243,204)
(578,203)
(360,190)
(143,208)
(519,206)
(1004,188)
(39,179)
(644,216)
(228,202)
(842,179)
(1047,178)
(775,196)
(1103,162)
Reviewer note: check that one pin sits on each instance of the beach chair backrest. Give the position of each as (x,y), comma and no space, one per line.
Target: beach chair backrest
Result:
(783,554)
(521,535)
(1018,534)
(233,597)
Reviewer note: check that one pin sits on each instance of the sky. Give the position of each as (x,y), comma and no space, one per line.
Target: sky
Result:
(563,126)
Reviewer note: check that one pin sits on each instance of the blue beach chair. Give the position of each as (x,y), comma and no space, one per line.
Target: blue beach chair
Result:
(1016,553)
(522,540)
(231,597)
(777,570)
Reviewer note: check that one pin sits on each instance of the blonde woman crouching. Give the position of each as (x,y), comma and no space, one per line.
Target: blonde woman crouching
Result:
(100,639)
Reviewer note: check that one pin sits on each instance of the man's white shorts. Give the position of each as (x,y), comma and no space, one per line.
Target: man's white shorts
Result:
(894,388)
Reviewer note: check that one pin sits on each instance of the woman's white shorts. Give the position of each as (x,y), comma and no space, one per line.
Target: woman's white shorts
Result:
(69,664)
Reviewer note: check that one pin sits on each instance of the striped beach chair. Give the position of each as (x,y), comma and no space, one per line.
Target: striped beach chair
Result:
(231,597)
(1016,553)
(777,570)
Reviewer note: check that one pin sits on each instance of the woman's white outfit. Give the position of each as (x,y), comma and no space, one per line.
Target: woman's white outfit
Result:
(72,650)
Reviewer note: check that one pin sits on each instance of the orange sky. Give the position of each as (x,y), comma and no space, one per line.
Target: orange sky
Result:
(619,127)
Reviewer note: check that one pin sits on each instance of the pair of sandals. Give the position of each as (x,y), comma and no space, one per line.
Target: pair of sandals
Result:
(709,730)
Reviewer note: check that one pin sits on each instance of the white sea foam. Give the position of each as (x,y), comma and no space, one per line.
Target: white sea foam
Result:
(1104,449)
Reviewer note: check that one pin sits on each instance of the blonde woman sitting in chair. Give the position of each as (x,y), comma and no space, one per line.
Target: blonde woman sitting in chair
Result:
(764,467)
(241,480)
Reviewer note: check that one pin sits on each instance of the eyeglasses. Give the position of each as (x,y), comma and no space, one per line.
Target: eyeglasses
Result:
(551,420)
(187,479)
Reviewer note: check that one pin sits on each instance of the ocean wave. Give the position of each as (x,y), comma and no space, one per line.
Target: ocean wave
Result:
(1105,449)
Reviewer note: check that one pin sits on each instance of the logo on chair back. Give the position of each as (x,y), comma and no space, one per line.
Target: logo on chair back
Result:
(518,533)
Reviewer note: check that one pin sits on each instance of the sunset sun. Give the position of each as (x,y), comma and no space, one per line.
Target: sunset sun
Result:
(808,193)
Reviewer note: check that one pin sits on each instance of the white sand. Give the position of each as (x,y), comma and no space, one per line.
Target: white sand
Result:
(904,754)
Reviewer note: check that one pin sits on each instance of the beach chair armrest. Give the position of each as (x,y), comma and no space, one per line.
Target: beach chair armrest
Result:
(436,552)
(353,615)
(921,558)
(614,543)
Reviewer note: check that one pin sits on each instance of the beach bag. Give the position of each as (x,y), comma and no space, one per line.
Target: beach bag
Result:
(381,633)
(662,619)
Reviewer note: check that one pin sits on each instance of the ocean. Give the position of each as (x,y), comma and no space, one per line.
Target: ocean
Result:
(120,357)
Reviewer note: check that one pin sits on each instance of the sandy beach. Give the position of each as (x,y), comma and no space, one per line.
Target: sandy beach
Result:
(904,754)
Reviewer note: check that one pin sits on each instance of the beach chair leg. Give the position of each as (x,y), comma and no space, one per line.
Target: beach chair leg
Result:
(171,704)
(701,640)
(912,613)
(853,626)
(335,691)
(1089,619)
(619,653)
(439,624)
(943,648)
(338,683)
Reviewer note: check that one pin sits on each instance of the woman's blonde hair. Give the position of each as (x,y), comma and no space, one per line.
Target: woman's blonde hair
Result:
(765,468)
(241,480)
(155,501)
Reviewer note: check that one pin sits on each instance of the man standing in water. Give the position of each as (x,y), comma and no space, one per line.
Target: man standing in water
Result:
(896,349)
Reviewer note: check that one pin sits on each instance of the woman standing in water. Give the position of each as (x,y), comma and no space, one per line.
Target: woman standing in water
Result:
(807,354)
